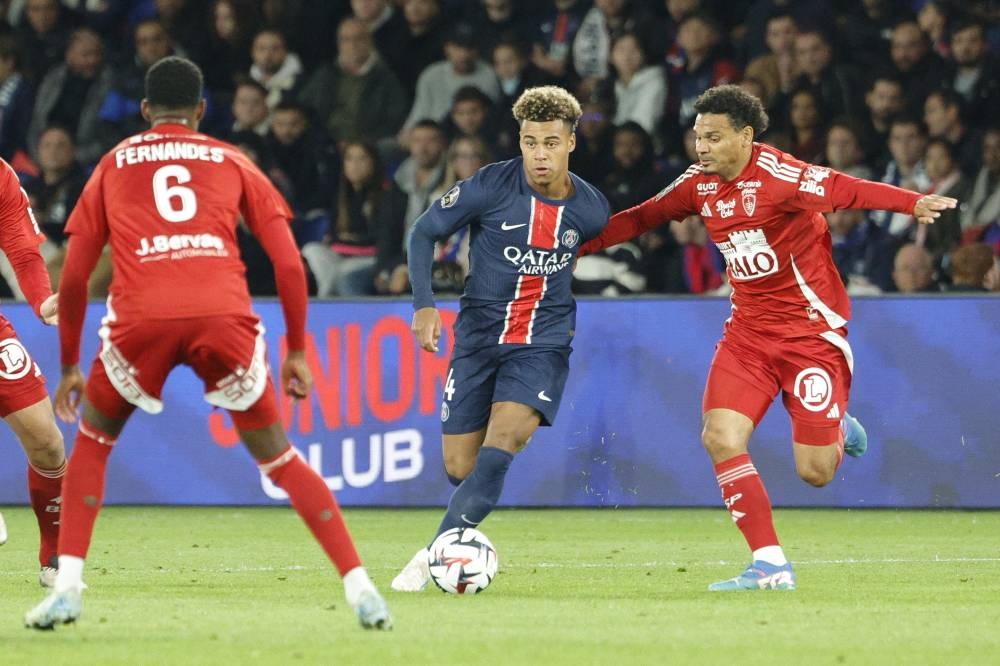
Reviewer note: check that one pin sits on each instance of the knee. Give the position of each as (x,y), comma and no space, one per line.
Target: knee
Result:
(816,474)
(721,443)
(45,447)
(457,467)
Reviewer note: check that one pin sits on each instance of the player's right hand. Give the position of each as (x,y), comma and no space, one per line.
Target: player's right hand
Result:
(68,393)
(49,310)
(296,378)
(426,328)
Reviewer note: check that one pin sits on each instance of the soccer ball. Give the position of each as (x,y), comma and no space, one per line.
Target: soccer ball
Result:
(462,561)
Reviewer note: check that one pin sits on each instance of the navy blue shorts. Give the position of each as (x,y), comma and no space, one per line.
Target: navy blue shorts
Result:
(533,376)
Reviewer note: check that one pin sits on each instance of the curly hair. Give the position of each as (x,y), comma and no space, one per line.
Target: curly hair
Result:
(739,106)
(546,103)
(174,83)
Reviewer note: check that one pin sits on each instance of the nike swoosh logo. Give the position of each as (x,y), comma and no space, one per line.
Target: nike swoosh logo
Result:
(542,396)
(507,226)
(467,521)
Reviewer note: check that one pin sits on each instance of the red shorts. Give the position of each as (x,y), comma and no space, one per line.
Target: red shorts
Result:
(813,374)
(227,352)
(22,383)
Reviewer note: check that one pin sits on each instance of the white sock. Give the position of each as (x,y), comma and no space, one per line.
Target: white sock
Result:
(356,581)
(771,554)
(70,577)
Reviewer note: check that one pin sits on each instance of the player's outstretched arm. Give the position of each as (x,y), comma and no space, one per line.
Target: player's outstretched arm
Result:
(929,207)
(296,378)
(68,393)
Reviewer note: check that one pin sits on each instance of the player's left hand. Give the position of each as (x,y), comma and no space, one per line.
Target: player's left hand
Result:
(928,207)
(296,378)
(49,310)
(68,393)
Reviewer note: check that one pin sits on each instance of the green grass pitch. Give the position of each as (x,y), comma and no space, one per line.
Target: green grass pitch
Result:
(249,586)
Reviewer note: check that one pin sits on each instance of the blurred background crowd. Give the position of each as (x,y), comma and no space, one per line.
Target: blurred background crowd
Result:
(362,112)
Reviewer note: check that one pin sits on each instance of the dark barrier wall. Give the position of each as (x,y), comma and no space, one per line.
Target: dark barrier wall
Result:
(926,386)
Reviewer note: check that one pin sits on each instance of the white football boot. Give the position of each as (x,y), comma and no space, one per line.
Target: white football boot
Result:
(414,576)
(3,531)
(373,612)
(57,608)
(47,576)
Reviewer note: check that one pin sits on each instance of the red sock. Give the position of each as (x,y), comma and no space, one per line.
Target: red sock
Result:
(747,501)
(45,488)
(316,505)
(83,490)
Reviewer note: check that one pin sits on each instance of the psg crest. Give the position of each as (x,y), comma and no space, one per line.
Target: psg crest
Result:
(570,238)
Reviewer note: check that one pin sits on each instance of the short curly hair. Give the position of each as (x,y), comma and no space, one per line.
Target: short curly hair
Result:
(738,105)
(546,103)
(174,83)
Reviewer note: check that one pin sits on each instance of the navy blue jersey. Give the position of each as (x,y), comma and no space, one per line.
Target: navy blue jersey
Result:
(521,254)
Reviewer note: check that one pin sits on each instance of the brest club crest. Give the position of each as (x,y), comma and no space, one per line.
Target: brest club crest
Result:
(749,199)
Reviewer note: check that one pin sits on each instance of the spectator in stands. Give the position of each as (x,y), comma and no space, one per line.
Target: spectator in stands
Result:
(279,71)
(992,279)
(227,52)
(602,25)
(865,29)
(884,101)
(250,112)
(365,238)
(934,19)
(383,20)
(913,270)
(516,73)
(640,88)
(969,267)
(983,206)
(777,69)
(357,97)
(421,44)
(120,109)
(913,61)
(907,142)
(72,93)
(308,25)
(43,37)
(843,151)
(812,13)
(471,115)
(465,156)
(836,83)
(185,22)
(977,75)
(421,173)
(461,67)
(309,165)
(556,32)
(53,193)
(702,268)
(944,115)
(614,271)
(499,20)
(634,177)
(806,125)
(946,179)
(16,100)
(862,252)
(593,158)
(700,67)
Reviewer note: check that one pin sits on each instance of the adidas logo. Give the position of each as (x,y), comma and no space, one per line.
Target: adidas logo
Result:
(705,210)
(834,412)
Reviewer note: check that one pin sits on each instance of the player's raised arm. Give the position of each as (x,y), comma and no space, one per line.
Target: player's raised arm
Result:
(822,189)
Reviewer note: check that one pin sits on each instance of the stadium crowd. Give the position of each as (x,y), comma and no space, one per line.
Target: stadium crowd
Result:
(362,112)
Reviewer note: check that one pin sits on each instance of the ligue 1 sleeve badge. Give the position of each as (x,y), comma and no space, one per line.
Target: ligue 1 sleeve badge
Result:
(450,197)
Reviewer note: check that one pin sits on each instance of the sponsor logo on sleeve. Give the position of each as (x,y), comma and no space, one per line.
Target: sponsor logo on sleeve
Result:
(811,179)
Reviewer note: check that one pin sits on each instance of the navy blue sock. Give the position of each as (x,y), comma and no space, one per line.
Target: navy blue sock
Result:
(473,500)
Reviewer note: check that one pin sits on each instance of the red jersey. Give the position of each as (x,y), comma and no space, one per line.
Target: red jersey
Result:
(20,238)
(169,201)
(767,224)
